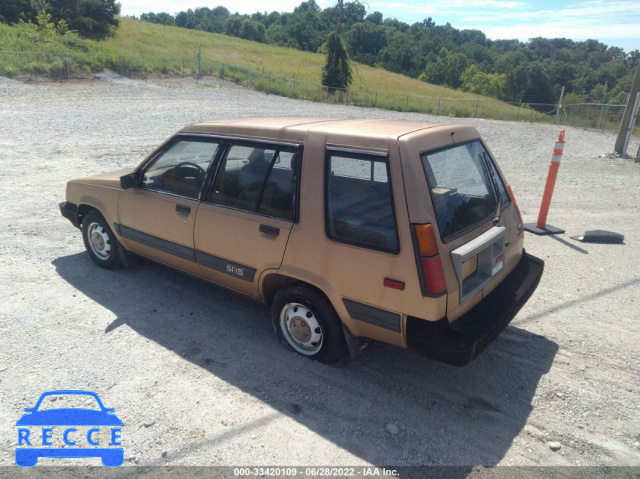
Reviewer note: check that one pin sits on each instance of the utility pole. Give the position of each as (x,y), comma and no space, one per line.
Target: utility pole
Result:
(629,116)
(340,17)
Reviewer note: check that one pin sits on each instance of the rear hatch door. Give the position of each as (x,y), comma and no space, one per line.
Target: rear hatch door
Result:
(460,191)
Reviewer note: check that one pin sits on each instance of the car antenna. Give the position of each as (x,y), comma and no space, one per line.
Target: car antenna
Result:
(452,139)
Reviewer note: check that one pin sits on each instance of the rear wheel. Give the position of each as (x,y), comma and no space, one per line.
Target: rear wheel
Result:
(306,322)
(100,241)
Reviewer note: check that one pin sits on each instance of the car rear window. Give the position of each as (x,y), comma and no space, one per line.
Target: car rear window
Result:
(463,190)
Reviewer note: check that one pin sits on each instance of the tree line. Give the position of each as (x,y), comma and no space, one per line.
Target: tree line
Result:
(89,18)
(510,70)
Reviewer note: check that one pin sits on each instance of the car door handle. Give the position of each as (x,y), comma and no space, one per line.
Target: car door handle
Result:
(183,209)
(269,230)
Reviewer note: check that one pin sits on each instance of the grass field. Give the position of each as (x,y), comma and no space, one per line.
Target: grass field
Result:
(142,48)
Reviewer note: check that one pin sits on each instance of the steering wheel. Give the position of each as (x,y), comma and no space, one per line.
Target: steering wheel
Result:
(199,173)
(190,164)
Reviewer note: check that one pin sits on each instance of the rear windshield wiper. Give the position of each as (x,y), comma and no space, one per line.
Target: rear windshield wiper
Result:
(486,162)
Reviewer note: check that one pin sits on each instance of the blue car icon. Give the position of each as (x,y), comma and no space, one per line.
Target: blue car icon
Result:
(69,416)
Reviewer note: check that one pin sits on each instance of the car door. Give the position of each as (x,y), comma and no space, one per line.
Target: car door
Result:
(157,218)
(242,227)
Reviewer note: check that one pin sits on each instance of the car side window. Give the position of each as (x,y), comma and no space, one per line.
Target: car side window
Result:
(181,169)
(359,202)
(257,179)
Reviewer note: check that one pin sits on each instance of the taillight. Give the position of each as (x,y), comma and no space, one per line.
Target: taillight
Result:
(432,274)
(515,203)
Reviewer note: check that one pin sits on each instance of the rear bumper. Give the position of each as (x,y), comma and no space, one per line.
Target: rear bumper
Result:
(460,342)
(70,211)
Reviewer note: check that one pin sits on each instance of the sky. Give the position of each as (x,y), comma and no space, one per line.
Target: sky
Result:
(613,22)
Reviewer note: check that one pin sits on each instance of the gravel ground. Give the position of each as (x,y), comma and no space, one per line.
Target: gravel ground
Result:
(195,372)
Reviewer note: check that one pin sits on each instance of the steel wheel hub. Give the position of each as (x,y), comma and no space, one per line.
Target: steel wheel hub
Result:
(99,241)
(301,328)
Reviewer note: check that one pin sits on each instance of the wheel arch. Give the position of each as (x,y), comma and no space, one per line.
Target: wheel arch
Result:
(83,209)
(274,282)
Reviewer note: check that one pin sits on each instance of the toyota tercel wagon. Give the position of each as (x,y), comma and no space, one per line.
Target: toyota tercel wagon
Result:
(405,233)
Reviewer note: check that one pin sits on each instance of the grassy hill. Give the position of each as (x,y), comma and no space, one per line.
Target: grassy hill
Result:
(141,48)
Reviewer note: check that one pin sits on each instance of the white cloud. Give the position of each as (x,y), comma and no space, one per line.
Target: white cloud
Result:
(595,19)
(450,7)
(579,20)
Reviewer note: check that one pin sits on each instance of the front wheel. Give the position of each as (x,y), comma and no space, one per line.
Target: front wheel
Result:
(100,241)
(306,322)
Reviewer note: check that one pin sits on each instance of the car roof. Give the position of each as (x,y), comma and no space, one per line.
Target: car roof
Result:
(372,133)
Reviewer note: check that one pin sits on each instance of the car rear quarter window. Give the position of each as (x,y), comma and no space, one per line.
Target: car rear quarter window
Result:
(181,169)
(359,205)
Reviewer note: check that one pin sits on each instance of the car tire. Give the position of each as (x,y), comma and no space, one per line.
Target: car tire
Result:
(305,322)
(100,241)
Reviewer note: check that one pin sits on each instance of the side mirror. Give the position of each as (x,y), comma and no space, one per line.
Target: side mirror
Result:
(129,181)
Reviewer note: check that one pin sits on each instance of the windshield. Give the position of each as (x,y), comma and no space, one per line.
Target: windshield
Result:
(461,187)
(67,401)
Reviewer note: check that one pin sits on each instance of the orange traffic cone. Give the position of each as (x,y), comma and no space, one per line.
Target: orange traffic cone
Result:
(541,227)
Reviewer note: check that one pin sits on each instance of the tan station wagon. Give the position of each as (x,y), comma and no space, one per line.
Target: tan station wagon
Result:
(352,230)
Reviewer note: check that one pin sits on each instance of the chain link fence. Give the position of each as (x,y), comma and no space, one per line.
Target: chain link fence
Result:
(74,65)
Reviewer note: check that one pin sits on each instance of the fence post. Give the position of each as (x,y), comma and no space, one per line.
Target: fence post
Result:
(28,65)
(164,63)
(475,115)
(223,73)
(586,121)
(559,105)
(439,98)
(518,115)
(65,65)
(269,86)
(606,118)
(294,88)
(375,102)
(182,67)
(406,104)
(200,61)
(602,106)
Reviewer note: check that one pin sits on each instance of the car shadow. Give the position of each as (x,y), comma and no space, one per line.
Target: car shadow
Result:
(388,407)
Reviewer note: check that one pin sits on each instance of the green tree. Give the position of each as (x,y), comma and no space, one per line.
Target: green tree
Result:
(400,55)
(336,72)
(276,34)
(447,70)
(162,18)
(488,84)
(12,11)
(516,83)
(90,18)
(365,40)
